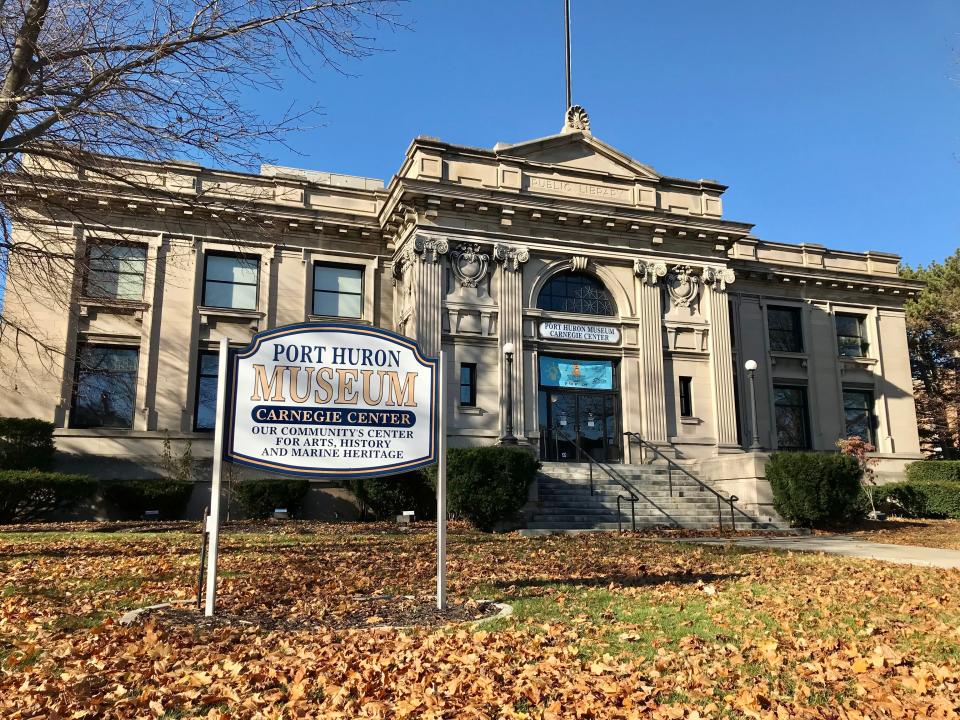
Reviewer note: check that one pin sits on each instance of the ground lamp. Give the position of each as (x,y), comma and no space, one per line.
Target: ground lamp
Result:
(751,367)
(508,437)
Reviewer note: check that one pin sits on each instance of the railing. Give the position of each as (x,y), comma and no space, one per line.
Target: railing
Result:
(673,466)
(631,496)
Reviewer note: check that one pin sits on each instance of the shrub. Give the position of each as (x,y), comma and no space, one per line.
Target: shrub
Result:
(919,499)
(34,495)
(389,496)
(259,498)
(487,485)
(816,489)
(26,444)
(134,497)
(934,471)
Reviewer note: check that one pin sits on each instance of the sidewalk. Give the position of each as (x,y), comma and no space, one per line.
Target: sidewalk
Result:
(845,545)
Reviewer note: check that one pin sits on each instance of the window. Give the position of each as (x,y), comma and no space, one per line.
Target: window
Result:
(337,290)
(576,293)
(468,384)
(783,326)
(858,412)
(230,281)
(686,397)
(793,427)
(851,335)
(733,324)
(205,408)
(115,271)
(106,387)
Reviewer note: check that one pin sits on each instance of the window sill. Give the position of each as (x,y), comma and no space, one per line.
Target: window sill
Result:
(470,410)
(114,305)
(690,421)
(252,316)
(337,319)
(866,362)
(783,355)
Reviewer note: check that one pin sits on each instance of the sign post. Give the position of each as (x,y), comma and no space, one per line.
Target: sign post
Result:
(442,491)
(213,519)
(330,401)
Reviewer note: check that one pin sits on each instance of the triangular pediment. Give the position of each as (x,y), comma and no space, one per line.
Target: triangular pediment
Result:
(578,151)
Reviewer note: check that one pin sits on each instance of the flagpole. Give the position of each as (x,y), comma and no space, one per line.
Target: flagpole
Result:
(442,487)
(566,18)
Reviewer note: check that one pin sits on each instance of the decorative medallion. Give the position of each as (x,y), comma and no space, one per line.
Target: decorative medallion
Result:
(650,270)
(719,278)
(683,286)
(512,256)
(469,264)
(577,120)
(430,249)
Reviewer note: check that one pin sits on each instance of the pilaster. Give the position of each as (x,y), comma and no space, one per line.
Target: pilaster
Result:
(427,291)
(511,259)
(650,312)
(721,357)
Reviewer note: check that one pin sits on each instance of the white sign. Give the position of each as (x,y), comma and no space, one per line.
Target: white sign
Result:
(331,400)
(579,332)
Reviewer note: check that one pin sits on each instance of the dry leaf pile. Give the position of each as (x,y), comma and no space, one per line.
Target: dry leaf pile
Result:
(605,626)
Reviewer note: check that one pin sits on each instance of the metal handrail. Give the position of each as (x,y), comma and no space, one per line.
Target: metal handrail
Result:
(631,496)
(671,465)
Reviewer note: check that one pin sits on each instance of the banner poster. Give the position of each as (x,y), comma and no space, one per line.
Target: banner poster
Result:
(576,373)
(331,400)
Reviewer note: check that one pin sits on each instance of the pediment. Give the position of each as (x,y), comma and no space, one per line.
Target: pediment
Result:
(578,151)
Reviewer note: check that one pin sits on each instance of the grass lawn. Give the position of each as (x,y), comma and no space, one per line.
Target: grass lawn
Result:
(902,531)
(604,626)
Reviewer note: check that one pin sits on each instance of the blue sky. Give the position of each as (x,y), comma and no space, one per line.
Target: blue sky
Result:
(832,122)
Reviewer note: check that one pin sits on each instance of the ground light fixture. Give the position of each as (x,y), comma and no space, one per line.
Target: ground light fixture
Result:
(508,437)
(751,367)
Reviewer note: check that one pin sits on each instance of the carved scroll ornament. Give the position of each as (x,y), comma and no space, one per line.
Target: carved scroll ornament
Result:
(649,270)
(512,256)
(683,286)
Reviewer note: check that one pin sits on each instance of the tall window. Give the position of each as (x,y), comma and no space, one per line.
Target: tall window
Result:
(793,426)
(205,408)
(230,281)
(686,396)
(337,290)
(115,271)
(851,335)
(106,387)
(858,412)
(784,328)
(468,384)
(576,293)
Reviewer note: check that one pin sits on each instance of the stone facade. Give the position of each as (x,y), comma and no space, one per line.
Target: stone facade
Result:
(665,300)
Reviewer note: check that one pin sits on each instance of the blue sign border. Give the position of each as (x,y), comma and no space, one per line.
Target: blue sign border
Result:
(231,454)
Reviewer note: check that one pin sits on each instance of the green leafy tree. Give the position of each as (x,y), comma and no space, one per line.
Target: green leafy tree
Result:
(933,333)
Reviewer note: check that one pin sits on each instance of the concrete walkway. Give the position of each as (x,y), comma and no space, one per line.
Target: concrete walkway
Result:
(846,545)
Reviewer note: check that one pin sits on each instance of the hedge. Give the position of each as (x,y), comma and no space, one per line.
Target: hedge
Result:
(134,497)
(816,489)
(919,499)
(487,485)
(259,498)
(27,495)
(387,497)
(934,471)
(26,444)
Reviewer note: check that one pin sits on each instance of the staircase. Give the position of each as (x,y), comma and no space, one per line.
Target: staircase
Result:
(567,505)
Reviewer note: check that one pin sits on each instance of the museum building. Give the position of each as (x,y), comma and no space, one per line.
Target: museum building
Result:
(627,303)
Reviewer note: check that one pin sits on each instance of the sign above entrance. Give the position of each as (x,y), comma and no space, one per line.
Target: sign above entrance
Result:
(576,373)
(579,332)
(330,400)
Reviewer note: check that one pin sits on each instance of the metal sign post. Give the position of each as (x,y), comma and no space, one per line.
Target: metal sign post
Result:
(213,520)
(442,488)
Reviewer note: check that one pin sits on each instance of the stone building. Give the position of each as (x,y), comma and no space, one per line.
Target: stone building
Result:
(630,301)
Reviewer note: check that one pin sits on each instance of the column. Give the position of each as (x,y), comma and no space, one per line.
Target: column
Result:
(427,291)
(511,259)
(653,406)
(721,357)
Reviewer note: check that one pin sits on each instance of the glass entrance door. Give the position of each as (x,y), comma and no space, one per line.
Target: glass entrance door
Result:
(580,424)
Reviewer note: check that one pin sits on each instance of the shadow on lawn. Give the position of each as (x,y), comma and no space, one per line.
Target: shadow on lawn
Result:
(619,580)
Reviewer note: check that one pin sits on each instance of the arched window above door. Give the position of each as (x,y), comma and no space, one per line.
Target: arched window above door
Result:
(573,292)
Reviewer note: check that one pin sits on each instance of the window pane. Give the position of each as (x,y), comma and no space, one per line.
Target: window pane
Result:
(850,346)
(576,293)
(225,295)
(206,411)
(791,418)
(784,329)
(858,411)
(101,284)
(338,279)
(106,387)
(232,269)
(129,287)
(848,325)
(465,393)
